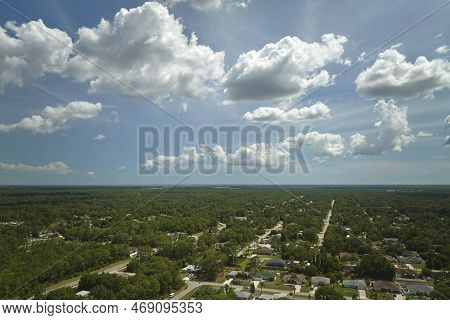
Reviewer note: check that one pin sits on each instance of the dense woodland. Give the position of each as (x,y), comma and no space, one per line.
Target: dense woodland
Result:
(51,234)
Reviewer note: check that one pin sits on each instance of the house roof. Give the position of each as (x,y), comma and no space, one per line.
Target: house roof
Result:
(320,280)
(276,262)
(386,285)
(266,297)
(357,284)
(242,294)
(418,289)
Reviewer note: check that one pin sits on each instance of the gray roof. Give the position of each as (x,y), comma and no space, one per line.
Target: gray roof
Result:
(276,262)
(387,286)
(415,289)
(320,280)
(355,284)
(266,297)
(241,294)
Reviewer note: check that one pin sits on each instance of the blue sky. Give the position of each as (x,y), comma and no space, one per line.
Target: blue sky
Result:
(382,122)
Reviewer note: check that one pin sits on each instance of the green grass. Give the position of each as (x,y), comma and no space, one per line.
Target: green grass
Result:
(346,292)
(379,295)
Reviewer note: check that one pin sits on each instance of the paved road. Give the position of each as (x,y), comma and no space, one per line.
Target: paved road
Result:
(278,226)
(74,283)
(326,223)
(192,285)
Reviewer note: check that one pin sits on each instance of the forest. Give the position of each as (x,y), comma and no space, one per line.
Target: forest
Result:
(51,234)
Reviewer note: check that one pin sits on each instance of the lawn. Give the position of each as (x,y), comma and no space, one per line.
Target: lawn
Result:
(379,295)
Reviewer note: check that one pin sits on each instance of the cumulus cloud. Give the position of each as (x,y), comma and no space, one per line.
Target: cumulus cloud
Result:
(189,154)
(393,129)
(392,76)
(422,134)
(443,49)
(283,69)
(31,50)
(145,48)
(53,168)
(322,145)
(317,111)
(53,119)
(211,5)
(99,137)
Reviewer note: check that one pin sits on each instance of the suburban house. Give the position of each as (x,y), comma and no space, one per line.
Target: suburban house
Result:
(386,286)
(266,297)
(405,273)
(292,278)
(354,284)
(418,289)
(263,251)
(320,281)
(242,294)
(276,263)
(410,260)
(237,274)
(191,269)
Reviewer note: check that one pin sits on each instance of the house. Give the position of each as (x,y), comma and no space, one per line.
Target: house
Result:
(386,286)
(277,296)
(266,297)
(263,251)
(410,260)
(242,294)
(264,276)
(276,263)
(83,293)
(354,284)
(237,274)
(292,278)
(406,273)
(191,268)
(320,281)
(418,289)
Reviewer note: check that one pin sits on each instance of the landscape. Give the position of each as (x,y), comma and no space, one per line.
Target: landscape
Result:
(155,154)
(225,242)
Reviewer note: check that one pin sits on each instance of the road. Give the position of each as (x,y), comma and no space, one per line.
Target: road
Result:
(74,283)
(192,285)
(278,226)
(326,223)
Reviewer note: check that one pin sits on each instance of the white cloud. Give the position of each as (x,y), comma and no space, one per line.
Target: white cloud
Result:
(283,69)
(447,122)
(31,50)
(316,111)
(145,47)
(438,35)
(211,5)
(392,76)
(90,173)
(322,145)
(447,141)
(53,119)
(53,168)
(184,107)
(443,49)
(121,168)
(362,56)
(422,134)
(393,131)
(99,137)
(189,154)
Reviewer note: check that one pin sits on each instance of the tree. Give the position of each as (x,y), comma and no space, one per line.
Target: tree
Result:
(375,266)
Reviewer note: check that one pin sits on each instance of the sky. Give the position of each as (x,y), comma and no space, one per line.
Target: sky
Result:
(370,81)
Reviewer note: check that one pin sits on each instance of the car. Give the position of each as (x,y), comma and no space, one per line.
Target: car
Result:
(172,295)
